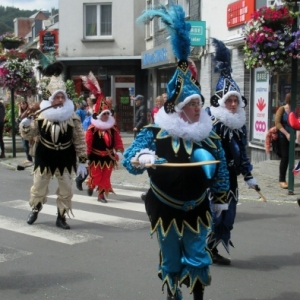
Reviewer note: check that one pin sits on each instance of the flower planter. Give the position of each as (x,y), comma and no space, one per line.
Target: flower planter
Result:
(10,45)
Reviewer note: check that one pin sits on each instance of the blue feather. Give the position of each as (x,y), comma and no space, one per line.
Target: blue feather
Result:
(174,20)
(222,56)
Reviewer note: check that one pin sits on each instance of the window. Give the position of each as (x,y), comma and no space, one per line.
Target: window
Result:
(98,20)
(149,26)
(186,6)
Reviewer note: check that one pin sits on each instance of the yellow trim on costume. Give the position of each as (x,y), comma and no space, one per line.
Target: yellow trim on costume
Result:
(104,164)
(175,144)
(184,223)
(188,145)
(162,134)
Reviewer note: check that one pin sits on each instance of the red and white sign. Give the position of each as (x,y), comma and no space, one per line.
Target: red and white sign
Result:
(239,12)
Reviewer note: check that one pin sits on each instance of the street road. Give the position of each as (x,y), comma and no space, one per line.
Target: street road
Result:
(108,253)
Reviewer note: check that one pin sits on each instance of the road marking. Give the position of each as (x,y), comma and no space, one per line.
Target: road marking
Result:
(85,216)
(8,254)
(69,237)
(119,204)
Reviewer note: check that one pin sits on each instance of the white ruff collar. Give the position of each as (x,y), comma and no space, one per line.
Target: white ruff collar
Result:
(59,114)
(232,121)
(177,127)
(104,125)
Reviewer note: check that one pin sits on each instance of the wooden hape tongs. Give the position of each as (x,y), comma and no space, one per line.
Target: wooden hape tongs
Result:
(258,190)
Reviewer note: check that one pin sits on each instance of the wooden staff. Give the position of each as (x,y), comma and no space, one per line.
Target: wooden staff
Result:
(172,165)
(37,113)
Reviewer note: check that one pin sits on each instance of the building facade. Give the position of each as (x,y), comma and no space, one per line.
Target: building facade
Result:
(102,37)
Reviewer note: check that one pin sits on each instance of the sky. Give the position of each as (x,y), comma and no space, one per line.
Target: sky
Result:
(31,4)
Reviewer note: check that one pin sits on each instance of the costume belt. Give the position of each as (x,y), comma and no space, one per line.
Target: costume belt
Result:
(178,204)
(59,146)
(107,152)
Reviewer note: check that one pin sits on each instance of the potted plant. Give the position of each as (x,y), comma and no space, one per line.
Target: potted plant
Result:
(10,41)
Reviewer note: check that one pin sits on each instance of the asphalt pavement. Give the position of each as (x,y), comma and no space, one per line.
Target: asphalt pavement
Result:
(266,174)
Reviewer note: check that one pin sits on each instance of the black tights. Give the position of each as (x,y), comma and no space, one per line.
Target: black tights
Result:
(197,291)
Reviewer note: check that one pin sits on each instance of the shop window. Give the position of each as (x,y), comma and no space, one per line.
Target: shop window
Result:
(98,20)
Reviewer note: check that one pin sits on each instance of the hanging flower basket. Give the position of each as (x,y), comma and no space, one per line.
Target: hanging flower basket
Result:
(269,40)
(10,41)
(18,75)
(11,45)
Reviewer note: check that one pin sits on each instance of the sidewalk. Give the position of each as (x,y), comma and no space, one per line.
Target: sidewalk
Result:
(266,174)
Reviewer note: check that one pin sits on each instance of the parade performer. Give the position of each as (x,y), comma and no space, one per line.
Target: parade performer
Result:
(177,202)
(104,142)
(60,142)
(228,114)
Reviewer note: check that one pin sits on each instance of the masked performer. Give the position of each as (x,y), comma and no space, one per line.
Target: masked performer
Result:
(177,202)
(60,142)
(229,118)
(104,143)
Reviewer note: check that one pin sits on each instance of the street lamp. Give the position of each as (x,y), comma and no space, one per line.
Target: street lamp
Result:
(293,107)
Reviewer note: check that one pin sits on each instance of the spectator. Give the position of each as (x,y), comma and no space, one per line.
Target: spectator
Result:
(2,117)
(81,111)
(165,97)
(284,128)
(159,102)
(23,112)
(140,114)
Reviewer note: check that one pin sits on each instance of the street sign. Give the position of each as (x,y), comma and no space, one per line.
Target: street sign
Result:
(198,33)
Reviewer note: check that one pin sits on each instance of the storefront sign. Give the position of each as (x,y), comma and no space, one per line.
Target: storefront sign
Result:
(198,33)
(239,12)
(260,104)
(158,56)
(48,40)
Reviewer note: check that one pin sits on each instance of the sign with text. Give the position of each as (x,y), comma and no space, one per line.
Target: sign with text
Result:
(158,56)
(260,104)
(239,12)
(198,33)
(48,40)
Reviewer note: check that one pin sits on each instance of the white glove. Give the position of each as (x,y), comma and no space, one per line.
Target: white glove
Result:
(218,208)
(120,156)
(26,122)
(251,183)
(81,170)
(146,159)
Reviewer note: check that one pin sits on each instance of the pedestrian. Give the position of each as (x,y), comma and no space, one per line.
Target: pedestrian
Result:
(140,114)
(177,202)
(2,119)
(228,114)
(61,143)
(159,102)
(103,140)
(281,123)
(23,112)
(165,97)
(81,110)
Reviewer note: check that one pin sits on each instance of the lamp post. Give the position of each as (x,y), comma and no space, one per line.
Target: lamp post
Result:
(293,107)
(13,122)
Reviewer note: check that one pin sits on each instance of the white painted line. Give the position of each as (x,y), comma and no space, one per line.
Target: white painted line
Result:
(85,216)
(129,193)
(55,234)
(8,253)
(119,204)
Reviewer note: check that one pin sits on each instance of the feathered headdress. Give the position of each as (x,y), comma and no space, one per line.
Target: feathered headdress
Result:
(226,85)
(91,83)
(48,65)
(50,69)
(183,86)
